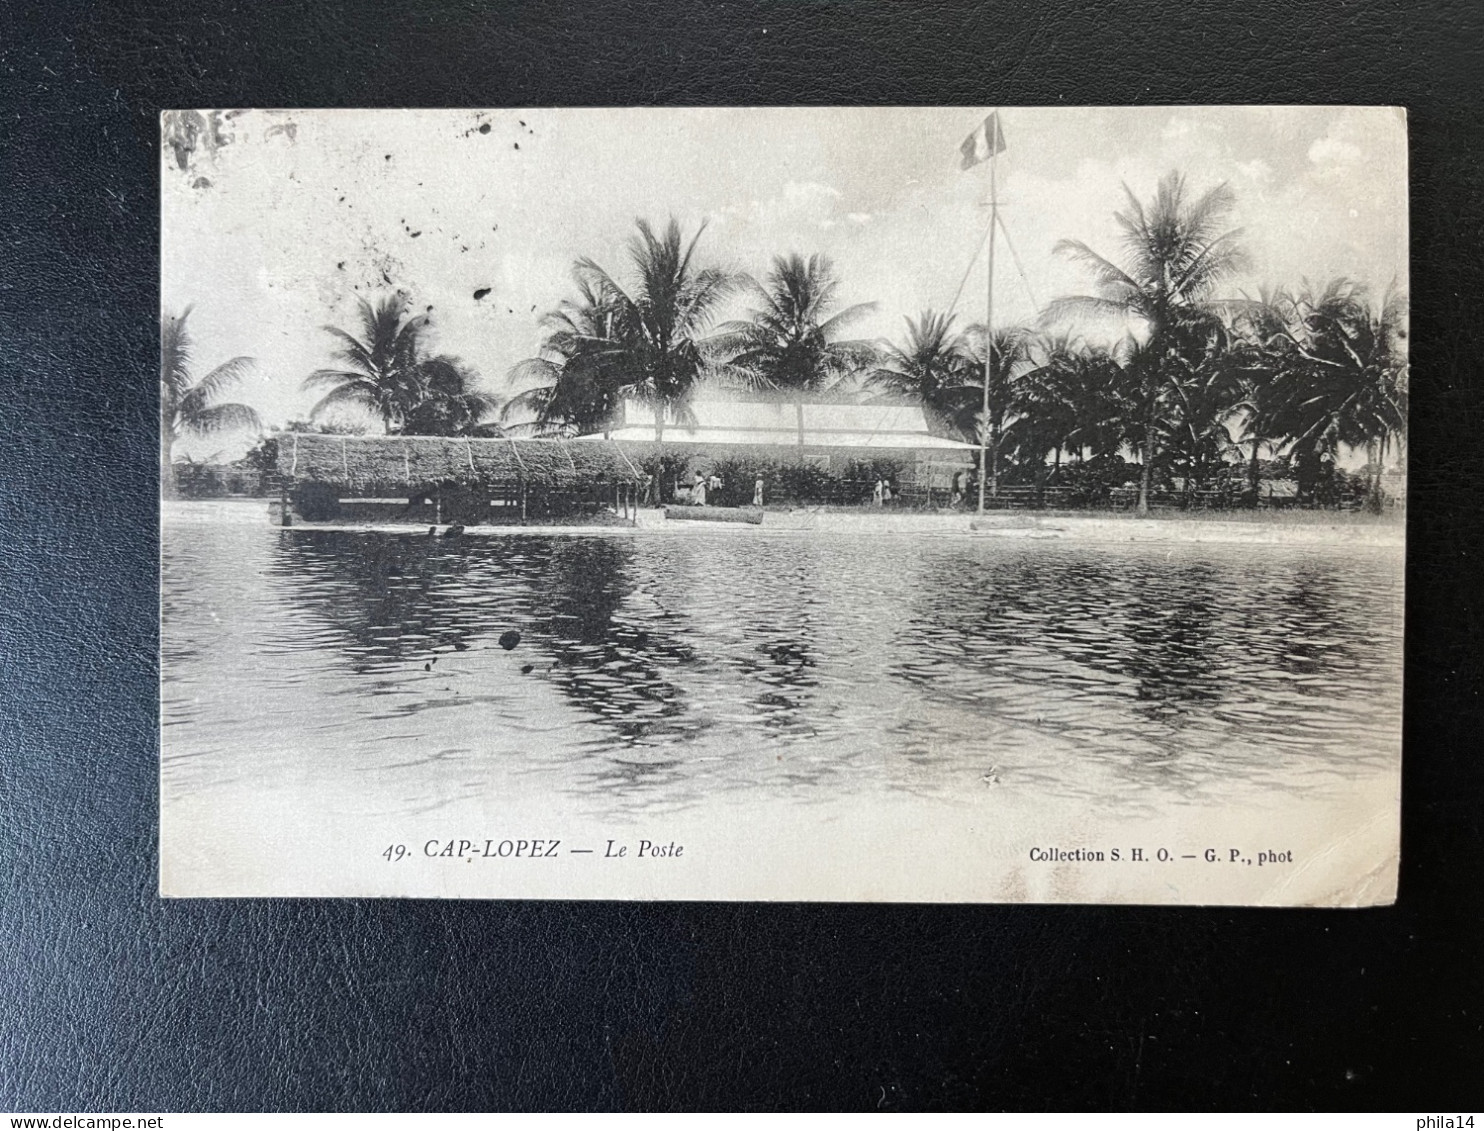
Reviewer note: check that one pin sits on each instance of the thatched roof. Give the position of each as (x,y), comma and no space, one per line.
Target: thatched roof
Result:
(388,462)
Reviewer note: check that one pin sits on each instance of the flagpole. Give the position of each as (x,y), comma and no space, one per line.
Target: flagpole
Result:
(994,215)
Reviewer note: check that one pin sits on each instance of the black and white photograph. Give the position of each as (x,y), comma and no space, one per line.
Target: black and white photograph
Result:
(934,504)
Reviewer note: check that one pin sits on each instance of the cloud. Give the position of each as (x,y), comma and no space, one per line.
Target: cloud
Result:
(1331,151)
(808,193)
(1257,170)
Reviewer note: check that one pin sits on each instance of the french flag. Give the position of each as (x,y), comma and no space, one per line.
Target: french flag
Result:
(984,142)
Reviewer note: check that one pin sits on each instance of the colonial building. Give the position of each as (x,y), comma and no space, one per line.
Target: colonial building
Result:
(829,435)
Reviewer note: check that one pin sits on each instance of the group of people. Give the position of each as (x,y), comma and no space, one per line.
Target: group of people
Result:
(704,485)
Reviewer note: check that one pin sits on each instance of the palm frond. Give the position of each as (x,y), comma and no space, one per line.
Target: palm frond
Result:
(223,418)
(1072,307)
(355,396)
(334,378)
(533,371)
(850,314)
(216,383)
(1107,273)
(352,350)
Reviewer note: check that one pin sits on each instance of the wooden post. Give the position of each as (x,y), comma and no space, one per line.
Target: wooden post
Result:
(285,517)
(522,500)
(994,215)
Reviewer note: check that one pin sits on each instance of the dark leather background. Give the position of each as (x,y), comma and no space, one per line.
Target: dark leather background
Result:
(112,999)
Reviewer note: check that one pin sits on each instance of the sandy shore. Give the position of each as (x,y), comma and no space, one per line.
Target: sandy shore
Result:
(1306,530)
(1292,529)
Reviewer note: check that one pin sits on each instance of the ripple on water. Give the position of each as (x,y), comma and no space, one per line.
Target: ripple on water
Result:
(657,673)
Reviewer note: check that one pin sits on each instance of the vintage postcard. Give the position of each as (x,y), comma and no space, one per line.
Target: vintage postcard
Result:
(934,504)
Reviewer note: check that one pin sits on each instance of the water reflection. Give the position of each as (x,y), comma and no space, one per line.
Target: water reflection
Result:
(384,600)
(395,601)
(1156,663)
(669,670)
(611,642)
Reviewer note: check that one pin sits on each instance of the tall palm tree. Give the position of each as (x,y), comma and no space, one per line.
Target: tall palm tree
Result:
(653,343)
(378,371)
(1009,353)
(1175,253)
(388,373)
(194,408)
(932,367)
(1348,382)
(790,340)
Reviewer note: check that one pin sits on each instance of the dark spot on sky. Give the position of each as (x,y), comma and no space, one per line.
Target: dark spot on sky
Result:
(430,308)
(527,669)
(480,293)
(517,145)
(388,157)
(341,200)
(387,277)
(509,639)
(201,182)
(416,234)
(340,266)
(463,248)
(518,120)
(484,129)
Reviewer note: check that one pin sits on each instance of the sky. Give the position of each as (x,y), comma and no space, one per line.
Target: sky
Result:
(276,222)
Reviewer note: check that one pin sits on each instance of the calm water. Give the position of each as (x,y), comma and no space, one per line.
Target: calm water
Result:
(660,670)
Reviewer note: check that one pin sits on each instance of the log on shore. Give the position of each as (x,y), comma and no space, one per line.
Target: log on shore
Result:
(715,514)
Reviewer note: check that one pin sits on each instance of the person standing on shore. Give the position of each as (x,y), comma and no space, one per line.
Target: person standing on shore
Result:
(698,491)
(878,496)
(757,492)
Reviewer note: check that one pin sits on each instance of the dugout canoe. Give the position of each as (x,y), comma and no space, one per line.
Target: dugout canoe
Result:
(714,514)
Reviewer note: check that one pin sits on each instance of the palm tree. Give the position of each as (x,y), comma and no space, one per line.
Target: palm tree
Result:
(194,408)
(379,370)
(1348,381)
(652,344)
(932,367)
(387,373)
(1264,349)
(1048,400)
(1205,394)
(1175,254)
(790,340)
(1009,352)
(451,405)
(575,383)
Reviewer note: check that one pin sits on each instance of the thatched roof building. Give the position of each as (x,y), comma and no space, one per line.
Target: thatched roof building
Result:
(393,464)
